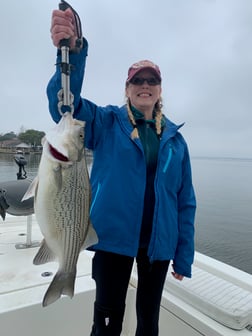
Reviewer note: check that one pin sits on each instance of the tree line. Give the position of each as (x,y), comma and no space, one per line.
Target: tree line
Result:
(30,137)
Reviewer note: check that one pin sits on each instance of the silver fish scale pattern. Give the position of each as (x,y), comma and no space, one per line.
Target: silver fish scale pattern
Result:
(71,212)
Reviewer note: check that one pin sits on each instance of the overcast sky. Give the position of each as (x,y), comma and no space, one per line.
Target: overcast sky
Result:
(203,48)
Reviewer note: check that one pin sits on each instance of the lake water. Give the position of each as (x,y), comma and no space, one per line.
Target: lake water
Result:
(224,205)
(224,214)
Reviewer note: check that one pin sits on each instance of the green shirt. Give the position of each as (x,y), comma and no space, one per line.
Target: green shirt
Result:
(150,142)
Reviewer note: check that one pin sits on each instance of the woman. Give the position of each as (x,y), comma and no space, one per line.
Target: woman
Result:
(143,202)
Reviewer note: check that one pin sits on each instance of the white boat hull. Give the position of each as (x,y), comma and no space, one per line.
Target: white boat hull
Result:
(22,289)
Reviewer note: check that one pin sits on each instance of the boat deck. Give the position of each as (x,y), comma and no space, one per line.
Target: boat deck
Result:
(188,307)
(17,252)
(23,286)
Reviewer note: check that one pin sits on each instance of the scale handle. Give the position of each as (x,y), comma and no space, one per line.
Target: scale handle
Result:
(63,5)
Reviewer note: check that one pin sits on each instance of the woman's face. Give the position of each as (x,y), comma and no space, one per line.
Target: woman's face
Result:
(143,96)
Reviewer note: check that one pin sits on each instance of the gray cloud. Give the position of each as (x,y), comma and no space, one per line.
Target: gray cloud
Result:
(202,47)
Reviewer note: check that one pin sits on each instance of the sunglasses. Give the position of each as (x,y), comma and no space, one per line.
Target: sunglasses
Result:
(140,81)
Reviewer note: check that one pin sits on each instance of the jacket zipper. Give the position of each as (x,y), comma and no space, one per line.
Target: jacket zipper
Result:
(95,198)
(168,159)
(151,249)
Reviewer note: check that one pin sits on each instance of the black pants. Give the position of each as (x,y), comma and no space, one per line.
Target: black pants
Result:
(111,273)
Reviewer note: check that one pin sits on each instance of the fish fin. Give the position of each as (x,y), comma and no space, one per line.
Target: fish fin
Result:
(44,254)
(62,284)
(32,189)
(91,238)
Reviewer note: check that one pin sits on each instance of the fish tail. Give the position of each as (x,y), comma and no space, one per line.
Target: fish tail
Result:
(62,284)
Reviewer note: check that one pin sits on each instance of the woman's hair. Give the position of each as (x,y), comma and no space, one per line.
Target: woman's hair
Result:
(157,116)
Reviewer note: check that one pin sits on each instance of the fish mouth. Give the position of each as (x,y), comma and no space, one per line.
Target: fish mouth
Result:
(57,155)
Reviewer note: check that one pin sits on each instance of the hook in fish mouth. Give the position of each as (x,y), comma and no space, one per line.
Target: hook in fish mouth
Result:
(57,155)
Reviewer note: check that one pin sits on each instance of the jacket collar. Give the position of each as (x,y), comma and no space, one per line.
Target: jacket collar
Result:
(170,129)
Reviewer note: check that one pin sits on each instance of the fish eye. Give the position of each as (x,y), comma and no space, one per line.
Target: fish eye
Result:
(82,133)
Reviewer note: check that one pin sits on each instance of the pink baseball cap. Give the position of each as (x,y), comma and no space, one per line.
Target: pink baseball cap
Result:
(142,65)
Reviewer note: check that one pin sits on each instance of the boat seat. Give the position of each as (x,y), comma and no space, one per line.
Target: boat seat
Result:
(11,194)
(217,298)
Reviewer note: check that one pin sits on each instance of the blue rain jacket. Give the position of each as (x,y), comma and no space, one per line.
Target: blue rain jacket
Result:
(118,179)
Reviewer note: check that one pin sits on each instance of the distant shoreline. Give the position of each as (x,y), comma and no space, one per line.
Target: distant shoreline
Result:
(220,158)
(89,153)
(11,151)
(32,151)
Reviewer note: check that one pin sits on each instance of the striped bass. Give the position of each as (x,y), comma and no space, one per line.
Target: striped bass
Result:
(62,197)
